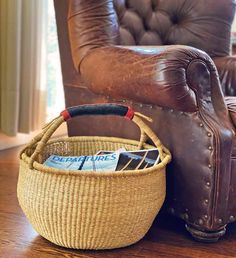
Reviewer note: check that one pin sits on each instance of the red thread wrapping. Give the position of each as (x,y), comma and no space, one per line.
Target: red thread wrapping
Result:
(130,113)
(65,114)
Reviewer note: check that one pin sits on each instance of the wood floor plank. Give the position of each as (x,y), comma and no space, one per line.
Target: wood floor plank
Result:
(166,238)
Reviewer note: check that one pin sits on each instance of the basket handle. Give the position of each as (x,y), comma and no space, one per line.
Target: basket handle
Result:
(100,109)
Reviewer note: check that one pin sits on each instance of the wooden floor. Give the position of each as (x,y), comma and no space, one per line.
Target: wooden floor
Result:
(166,238)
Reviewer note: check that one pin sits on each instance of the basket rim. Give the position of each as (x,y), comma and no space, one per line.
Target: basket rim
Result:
(42,168)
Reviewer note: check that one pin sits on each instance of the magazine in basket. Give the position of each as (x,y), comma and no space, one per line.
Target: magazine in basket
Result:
(106,160)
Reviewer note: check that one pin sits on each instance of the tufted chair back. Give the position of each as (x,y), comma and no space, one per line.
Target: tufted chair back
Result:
(204,24)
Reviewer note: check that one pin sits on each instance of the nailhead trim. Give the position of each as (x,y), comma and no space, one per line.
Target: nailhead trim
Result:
(186,216)
(200,221)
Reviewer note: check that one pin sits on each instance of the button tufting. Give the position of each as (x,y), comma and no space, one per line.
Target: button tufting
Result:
(209,134)
(206,201)
(175,19)
(208,183)
(209,165)
(210,148)
(231,218)
(173,25)
(154,5)
(126,4)
(201,125)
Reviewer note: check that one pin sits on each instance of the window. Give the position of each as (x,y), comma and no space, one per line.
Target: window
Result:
(49,71)
(55,94)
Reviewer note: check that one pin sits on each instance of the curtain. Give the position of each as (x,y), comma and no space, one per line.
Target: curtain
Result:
(22,51)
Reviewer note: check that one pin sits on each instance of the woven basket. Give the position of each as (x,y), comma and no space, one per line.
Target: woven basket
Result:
(90,210)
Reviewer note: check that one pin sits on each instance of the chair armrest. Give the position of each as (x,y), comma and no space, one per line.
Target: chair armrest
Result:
(226,67)
(178,77)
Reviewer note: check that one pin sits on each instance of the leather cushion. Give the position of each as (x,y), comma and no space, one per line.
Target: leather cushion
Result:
(226,67)
(231,104)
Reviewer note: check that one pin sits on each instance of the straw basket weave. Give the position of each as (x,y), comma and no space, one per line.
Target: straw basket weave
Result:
(90,210)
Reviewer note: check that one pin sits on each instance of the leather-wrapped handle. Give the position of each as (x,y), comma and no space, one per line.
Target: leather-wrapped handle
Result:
(102,109)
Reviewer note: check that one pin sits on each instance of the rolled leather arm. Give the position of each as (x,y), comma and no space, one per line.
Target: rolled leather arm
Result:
(178,77)
(231,105)
(226,67)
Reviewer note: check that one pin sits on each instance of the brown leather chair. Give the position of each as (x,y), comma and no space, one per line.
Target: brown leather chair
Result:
(177,85)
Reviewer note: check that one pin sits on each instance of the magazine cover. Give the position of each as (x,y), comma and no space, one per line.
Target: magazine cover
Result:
(91,163)
(130,160)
